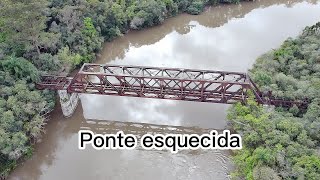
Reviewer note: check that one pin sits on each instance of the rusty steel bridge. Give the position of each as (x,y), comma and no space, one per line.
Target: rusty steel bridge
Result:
(163,83)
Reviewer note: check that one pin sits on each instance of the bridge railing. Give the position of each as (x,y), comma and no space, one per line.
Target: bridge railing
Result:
(176,73)
(53,82)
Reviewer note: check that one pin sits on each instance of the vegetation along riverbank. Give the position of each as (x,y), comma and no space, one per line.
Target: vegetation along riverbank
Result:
(282,144)
(56,36)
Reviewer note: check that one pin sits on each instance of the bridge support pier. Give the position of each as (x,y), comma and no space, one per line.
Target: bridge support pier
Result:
(69,102)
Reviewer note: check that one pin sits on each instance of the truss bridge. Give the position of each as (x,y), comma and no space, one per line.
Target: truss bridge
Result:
(164,83)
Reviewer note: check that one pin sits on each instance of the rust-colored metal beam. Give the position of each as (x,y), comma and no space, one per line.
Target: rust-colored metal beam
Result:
(162,83)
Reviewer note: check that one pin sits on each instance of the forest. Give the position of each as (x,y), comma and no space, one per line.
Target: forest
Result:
(57,36)
(281,143)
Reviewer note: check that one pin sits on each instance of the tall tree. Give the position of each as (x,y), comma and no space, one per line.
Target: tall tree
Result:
(24,22)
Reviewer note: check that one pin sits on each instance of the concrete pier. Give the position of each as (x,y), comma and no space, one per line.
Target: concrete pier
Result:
(69,102)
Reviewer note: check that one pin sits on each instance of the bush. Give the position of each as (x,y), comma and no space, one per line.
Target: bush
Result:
(196,7)
(265,173)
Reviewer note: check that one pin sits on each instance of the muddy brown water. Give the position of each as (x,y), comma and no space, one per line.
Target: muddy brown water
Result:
(228,37)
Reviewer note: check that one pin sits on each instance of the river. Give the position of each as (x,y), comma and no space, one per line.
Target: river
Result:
(227,37)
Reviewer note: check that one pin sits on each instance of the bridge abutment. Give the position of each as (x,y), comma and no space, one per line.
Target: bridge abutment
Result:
(68,101)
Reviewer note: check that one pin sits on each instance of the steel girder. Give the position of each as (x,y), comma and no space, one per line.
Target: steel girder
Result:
(163,83)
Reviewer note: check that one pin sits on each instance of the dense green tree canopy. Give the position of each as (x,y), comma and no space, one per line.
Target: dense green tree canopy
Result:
(20,109)
(24,23)
(56,36)
(282,144)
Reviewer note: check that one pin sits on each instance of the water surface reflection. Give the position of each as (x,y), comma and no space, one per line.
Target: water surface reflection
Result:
(227,38)
(223,38)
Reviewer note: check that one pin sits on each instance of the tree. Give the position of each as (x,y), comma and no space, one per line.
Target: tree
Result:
(265,173)
(308,167)
(19,68)
(70,60)
(24,23)
(148,13)
(282,142)
(196,7)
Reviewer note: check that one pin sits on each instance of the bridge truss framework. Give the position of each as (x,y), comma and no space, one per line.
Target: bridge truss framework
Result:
(163,83)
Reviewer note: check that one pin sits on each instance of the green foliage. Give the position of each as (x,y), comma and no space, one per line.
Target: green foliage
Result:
(229,1)
(2,37)
(91,42)
(308,167)
(27,18)
(20,108)
(6,166)
(282,144)
(70,60)
(264,173)
(55,36)
(148,13)
(19,68)
(47,62)
(89,29)
(262,78)
(196,7)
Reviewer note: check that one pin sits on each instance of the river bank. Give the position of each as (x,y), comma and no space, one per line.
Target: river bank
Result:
(55,37)
(183,34)
(283,143)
